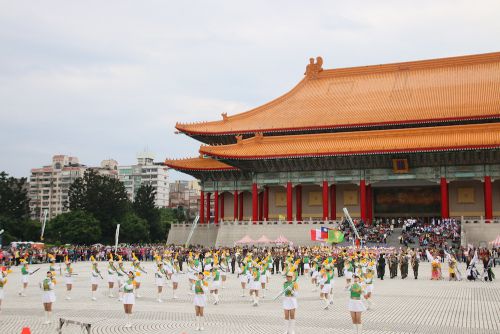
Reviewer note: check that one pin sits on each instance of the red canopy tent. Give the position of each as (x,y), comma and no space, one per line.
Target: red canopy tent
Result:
(264,240)
(245,240)
(281,240)
(496,242)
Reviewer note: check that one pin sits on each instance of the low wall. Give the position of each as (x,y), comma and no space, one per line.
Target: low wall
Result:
(203,234)
(479,233)
(227,233)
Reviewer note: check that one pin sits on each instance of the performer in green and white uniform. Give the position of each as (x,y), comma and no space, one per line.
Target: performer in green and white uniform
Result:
(3,282)
(25,274)
(200,300)
(160,275)
(68,278)
(129,297)
(215,284)
(254,284)
(111,275)
(290,305)
(48,297)
(355,305)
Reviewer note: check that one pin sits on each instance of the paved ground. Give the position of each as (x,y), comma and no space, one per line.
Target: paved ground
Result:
(401,306)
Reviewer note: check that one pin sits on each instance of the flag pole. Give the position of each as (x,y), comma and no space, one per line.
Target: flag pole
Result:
(117,234)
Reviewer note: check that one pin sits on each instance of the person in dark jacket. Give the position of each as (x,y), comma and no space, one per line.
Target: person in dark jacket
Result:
(381,266)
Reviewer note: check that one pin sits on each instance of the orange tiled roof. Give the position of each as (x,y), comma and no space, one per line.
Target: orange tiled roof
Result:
(198,164)
(457,88)
(442,138)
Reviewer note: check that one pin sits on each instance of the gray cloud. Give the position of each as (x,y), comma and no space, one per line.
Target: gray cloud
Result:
(104,79)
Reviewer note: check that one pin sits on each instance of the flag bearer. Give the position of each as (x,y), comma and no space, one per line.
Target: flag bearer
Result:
(356,306)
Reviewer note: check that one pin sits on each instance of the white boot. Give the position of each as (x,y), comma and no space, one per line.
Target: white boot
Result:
(129,321)
(256,301)
(68,295)
(159,298)
(292,326)
(216,296)
(287,326)
(175,297)
(355,327)
(47,318)
(360,328)
(201,323)
(197,323)
(93,295)
(327,303)
(242,292)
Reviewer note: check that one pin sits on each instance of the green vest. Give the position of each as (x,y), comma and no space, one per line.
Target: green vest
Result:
(286,285)
(355,291)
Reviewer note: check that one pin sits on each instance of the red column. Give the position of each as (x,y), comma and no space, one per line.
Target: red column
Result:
(325,200)
(488,201)
(235,205)
(298,202)
(222,206)
(240,218)
(208,208)
(445,213)
(266,203)
(255,203)
(333,203)
(216,207)
(369,207)
(261,206)
(202,207)
(362,199)
(289,196)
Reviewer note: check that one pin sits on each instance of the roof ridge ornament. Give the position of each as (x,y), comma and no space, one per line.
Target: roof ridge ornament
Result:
(239,139)
(224,116)
(313,68)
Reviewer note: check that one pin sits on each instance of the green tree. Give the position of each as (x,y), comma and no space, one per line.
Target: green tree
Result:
(144,207)
(14,200)
(133,229)
(103,197)
(76,227)
(14,208)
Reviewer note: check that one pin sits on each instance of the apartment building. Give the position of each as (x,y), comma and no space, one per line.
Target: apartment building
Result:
(185,194)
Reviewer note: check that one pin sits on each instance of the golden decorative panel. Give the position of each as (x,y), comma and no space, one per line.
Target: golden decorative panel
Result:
(280,199)
(315,198)
(466,195)
(350,197)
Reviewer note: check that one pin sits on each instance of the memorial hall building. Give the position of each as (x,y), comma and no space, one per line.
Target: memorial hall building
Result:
(409,139)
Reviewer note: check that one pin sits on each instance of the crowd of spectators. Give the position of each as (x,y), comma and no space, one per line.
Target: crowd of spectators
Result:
(434,233)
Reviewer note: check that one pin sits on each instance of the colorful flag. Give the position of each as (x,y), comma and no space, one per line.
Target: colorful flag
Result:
(335,236)
(319,234)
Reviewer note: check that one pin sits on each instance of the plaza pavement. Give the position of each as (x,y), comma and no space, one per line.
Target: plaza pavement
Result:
(400,306)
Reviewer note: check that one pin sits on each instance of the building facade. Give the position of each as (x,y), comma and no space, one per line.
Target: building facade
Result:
(417,138)
(49,185)
(146,171)
(185,194)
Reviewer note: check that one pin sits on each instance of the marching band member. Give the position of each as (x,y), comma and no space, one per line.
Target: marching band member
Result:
(290,305)
(254,284)
(176,271)
(68,278)
(48,297)
(111,275)
(128,297)
(224,267)
(327,285)
(215,284)
(368,287)
(160,279)
(94,277)
(25,274)
(121,275)
(200,300)
(138,270)
(243,275)
(356,306)
(3,282)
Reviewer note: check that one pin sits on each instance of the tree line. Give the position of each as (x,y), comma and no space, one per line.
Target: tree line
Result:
(97,204)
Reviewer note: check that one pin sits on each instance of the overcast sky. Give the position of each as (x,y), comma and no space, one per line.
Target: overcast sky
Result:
(106,79)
